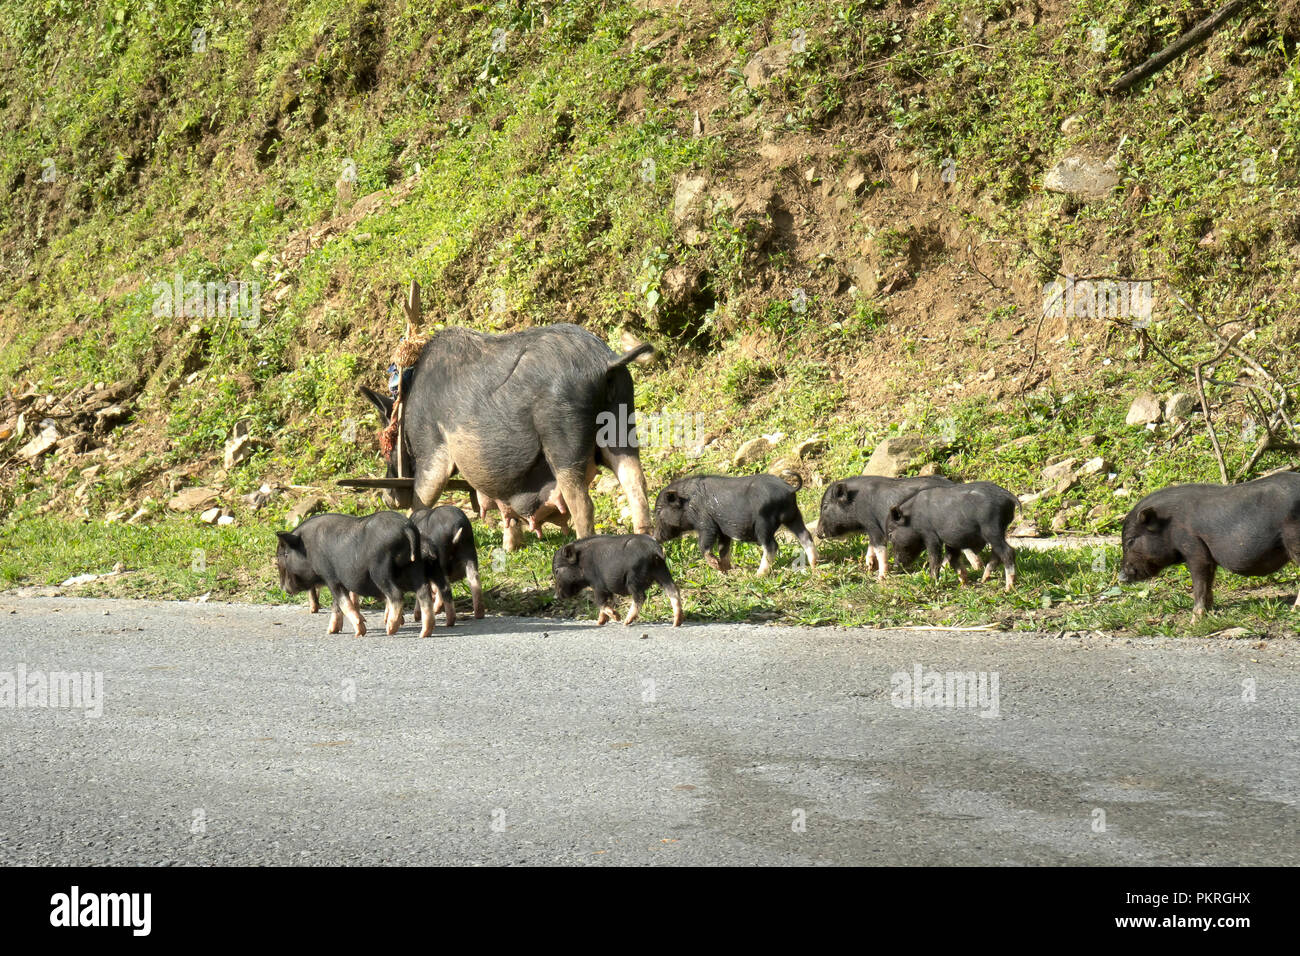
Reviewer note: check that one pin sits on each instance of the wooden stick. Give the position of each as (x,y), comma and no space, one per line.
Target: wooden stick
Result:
(1193,37)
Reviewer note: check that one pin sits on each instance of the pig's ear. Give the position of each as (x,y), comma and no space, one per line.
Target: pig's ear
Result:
(840,493)
(381,402)
(896,515)
(569,554)
(290,539)
(673,498)
(1148,518)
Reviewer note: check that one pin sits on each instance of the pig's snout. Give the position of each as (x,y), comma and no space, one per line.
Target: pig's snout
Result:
(1124,576)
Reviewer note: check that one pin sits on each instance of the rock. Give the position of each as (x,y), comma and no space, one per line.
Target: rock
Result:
(238,450)
(767,63)
(894,456)
(192,499)
(226,519)
(1059,470)
(854,183)
(1095,466)
(751,451)
(302,509)
(810,448)
(210,516)
(108,416)
(928,469)
(1071,123)
(42,443)
(257,499)
(1181,405)
(1082,177)
(1024,528)
(1235,633)
(1097,512)
(1061,520)
(687,196)
(1145,410)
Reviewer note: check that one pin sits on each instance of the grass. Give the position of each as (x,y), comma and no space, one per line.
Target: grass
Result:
(1058,590)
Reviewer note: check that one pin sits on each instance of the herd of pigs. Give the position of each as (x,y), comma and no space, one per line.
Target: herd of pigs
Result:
(527,419)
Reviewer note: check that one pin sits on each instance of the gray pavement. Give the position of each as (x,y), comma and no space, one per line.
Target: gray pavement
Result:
(246,734)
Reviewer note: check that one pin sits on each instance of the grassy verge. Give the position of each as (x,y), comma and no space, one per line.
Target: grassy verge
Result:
(1063,589)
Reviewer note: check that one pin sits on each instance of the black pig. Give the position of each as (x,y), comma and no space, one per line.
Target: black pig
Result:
(615,564)
(860,505)
(1251,528)
(487,406)
(447,545)
(954,518)
(724,509)
(374,556)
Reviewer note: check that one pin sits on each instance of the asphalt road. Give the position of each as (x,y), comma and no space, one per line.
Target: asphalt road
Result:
(241,734)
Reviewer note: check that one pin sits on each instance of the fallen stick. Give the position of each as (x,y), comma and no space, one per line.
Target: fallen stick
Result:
(1193,37)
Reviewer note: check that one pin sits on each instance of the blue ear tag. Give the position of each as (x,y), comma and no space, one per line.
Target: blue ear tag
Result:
(393,378)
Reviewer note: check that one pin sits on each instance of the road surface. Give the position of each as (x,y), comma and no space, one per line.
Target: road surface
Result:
(246,734)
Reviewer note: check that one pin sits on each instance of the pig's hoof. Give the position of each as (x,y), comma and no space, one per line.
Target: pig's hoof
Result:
(478,612)
(361,630)
(426,630)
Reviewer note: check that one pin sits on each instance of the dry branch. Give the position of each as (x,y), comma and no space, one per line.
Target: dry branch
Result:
(1193,37)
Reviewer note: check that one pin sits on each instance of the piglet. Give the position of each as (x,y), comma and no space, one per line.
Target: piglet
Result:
(375,556)
(722,509)
(447,545)
(954,518)
(615,564)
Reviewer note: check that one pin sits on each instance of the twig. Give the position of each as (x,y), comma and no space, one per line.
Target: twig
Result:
(1209,426)
(1193,37)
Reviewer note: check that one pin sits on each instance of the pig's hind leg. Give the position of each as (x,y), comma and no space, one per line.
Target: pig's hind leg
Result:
(313,600)
(1291,540)
(424,595)
(385,579)
(660,574)
(475,586)
(800,531)
(1003,554)
(766,535)
(638,598)
(605,601)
